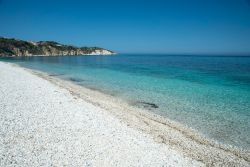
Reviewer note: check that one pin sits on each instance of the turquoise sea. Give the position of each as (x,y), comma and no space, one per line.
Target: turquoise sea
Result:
(208,93)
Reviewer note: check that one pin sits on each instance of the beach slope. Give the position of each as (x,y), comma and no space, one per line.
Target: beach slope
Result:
(42,124)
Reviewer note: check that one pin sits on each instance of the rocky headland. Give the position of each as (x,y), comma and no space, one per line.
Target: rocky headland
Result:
(15,47)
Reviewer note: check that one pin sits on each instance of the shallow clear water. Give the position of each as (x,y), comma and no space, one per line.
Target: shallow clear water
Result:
(208,93)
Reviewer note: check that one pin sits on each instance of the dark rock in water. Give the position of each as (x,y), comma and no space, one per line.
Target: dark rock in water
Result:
(147,105)
(54,75)
(76,79)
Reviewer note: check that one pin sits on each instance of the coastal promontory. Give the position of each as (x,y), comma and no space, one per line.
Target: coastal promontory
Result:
(15,47)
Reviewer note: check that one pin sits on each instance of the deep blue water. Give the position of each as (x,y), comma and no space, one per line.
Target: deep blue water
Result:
(208,93)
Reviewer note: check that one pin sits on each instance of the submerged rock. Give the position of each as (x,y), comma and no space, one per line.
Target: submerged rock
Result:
(54,75)
(76,79)
(146,105)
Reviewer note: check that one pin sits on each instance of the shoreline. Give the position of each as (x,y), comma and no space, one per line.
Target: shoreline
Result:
(163,130)
(156,125)
(60,55)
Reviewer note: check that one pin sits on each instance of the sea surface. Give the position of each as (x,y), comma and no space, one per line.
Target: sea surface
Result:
(210,94)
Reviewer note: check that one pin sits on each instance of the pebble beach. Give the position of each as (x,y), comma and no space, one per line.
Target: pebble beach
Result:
(46,124)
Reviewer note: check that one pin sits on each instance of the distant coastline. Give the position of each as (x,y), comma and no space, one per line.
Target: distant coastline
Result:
(10,47)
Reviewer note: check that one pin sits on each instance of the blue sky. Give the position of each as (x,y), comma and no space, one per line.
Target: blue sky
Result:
(133,26)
